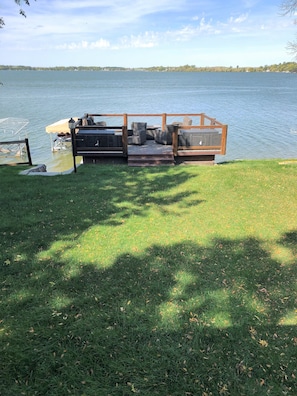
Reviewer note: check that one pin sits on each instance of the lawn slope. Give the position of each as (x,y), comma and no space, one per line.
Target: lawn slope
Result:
(153,281)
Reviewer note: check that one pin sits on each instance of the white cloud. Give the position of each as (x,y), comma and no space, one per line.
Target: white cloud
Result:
(162,26)
(146,40)
(239,19)
(85,45)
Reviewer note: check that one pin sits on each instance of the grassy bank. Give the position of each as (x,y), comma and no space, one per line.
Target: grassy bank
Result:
(156,281)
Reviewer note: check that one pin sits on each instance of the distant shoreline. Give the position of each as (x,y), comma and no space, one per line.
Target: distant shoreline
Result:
(285,67)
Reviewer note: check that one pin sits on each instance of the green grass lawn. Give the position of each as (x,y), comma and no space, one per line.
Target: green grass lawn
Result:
(171,281)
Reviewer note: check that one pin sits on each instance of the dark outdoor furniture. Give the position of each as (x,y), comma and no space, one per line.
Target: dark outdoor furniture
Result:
(88,139)
(151,133)
(164,137)
(138,133)
(198,137)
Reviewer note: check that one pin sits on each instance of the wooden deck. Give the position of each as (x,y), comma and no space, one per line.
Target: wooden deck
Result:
(150,154)
(194,138)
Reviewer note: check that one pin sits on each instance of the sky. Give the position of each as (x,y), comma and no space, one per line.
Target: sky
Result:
(145,33)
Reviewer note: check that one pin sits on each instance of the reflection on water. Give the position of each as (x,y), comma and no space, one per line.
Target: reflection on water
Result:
(61,161)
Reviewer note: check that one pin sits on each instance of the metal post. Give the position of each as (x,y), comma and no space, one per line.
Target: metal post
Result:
(72,131)
(71,124)
(28,151)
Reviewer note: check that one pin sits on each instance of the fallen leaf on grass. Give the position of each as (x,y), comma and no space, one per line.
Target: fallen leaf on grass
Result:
(263,343)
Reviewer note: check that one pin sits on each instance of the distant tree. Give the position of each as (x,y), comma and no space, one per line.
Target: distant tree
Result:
(21,11)
(289,7)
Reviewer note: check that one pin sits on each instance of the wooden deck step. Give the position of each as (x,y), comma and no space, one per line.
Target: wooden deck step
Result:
(150,154)
(150,160)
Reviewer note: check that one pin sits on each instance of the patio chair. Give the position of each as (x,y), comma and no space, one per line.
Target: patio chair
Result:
(165,137)
(138,133)
(187,121)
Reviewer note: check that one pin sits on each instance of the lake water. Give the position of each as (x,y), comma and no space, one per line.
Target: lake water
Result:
(259,108)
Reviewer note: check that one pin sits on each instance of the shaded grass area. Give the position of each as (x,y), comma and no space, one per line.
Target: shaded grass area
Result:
(155,281)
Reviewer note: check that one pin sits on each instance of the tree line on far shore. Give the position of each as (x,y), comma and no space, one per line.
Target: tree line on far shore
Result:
(285,67)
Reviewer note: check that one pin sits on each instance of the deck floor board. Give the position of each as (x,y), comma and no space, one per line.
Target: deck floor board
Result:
(149,148)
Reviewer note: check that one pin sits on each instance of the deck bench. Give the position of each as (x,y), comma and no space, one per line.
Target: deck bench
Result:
(199,137)
(98,138)
(90,142)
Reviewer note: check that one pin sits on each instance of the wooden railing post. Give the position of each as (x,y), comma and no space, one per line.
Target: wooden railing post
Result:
(175,140)
(125,140)
(125,134)
(224,139)
(202,119)
(125,120)
(164,121)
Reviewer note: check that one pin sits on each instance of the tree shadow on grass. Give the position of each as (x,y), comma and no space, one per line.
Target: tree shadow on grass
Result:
(181,319)
(41,210)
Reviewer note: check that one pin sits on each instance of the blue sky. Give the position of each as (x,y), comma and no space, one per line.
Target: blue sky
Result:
(143,33)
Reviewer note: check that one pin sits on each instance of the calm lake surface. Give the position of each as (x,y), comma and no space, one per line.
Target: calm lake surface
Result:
(259,108)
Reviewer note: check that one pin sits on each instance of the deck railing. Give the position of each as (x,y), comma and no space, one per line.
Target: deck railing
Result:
(17,148)
(200,123)
(195,135)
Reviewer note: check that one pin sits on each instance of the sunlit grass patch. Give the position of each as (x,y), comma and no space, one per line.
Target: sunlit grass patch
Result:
(283,254)
(290,319)
(60,301)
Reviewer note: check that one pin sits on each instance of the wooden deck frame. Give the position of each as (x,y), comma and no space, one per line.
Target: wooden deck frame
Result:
(205,123)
